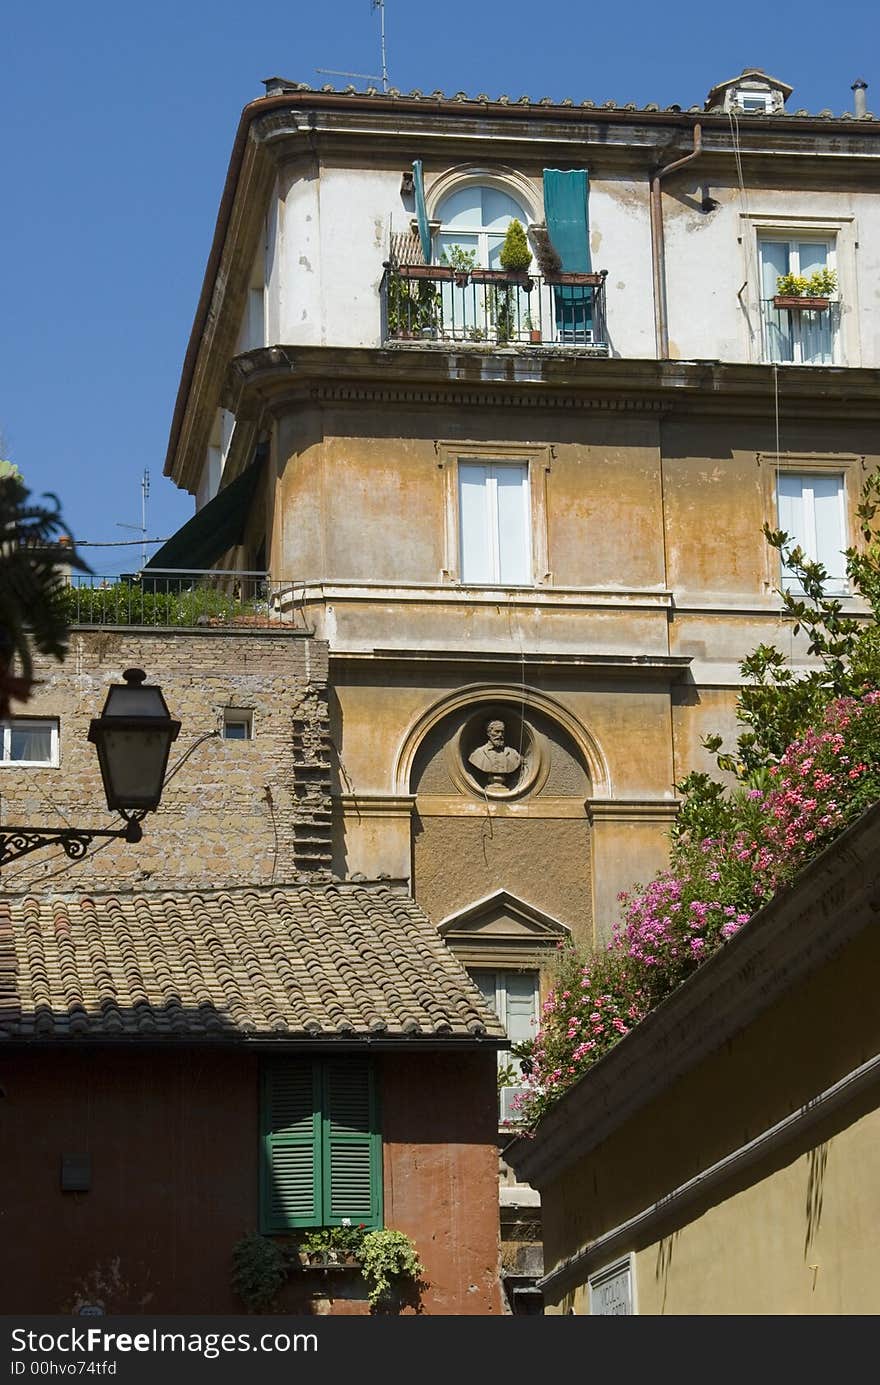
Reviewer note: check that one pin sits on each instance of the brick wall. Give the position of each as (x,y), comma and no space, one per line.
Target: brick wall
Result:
(237,811)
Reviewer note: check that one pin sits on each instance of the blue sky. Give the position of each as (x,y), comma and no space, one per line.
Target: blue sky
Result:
(116,124)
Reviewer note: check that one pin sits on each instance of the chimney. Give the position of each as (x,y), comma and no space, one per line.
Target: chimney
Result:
(860,100)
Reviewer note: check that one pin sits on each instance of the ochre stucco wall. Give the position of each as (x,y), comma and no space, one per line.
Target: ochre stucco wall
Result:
(793,1234)
(174,1144)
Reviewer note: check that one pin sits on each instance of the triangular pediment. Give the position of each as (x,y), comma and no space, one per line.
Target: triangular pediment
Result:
(501,917)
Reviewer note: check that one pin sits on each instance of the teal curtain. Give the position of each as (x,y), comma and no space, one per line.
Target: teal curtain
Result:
(421,209)
(566,211)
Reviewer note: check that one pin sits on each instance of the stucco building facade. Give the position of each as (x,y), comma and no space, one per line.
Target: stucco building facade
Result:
(532,494)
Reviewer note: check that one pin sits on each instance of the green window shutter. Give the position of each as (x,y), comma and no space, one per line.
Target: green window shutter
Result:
(421,209)
(351,1144)
(290,1191)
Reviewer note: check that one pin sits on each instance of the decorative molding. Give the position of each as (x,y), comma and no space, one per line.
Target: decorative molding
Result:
(370,805)
(537,807)
(632,810)
(519,697)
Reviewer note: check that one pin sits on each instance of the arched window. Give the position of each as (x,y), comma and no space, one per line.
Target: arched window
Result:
(476,217)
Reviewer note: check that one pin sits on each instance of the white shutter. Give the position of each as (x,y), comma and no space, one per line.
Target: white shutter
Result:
(811,511)
(514,549)
(790,508)
(830,537)
(473,520)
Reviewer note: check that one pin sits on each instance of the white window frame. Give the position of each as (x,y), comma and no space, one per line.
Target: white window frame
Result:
(836,586)
(476,230)
(538,461)
(505,1058)
(31,724)
(237,716)
(844,232)
(794,238)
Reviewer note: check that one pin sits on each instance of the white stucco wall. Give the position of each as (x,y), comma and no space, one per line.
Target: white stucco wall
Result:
(328,234)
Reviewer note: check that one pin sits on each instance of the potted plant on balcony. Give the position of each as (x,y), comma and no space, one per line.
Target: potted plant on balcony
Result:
(515,255)
(795,291)
(461,261)
(533,331)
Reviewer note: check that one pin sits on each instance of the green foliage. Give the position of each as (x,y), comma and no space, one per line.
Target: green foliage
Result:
(258,1272)
(515,254)
(822,283)
(35,554)
(806,765)
(333,1240)
(388,1256)
(778,705)
(459,258)
(413,306)
(133,603)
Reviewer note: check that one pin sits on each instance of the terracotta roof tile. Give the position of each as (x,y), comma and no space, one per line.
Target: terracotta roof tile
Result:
(302,962)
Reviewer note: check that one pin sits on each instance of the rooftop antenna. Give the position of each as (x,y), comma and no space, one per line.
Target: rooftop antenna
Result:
(142,527)
(367,76)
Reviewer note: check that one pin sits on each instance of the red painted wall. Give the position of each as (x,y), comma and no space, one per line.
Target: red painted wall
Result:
(173,1139)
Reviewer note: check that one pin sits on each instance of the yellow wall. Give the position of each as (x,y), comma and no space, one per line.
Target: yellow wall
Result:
(795,1233)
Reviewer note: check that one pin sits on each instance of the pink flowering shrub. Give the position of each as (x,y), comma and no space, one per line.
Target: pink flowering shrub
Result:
(760,839)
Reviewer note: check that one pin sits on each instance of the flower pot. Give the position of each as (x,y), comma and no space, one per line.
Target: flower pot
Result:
(461,280)
(800,303)
(501,276)
(426,271)
(572,279)
(535,336)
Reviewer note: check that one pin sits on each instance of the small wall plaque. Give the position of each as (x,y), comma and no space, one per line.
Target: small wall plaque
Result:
(611,1291)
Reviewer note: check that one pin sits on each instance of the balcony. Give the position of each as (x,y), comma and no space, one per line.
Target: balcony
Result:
(797,335)
(176,600)
(435,303)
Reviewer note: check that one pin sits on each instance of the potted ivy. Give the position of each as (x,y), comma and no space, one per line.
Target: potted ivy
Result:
(390,1267)
(796,291)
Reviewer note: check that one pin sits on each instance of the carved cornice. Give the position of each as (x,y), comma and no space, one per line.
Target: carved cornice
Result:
(275,379)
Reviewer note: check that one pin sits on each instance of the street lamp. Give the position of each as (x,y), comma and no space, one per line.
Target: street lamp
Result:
(133,738)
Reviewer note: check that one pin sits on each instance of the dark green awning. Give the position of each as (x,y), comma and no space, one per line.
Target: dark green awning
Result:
(216,527)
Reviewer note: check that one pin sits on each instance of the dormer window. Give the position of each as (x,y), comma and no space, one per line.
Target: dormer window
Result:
(752,103)
(753,92)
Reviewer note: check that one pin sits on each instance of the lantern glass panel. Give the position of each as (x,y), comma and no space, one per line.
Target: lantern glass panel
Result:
(134,763)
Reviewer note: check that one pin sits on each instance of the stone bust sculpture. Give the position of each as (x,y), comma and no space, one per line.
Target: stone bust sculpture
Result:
(495,758)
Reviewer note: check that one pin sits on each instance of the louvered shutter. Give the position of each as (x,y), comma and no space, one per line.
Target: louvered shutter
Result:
(291,1155)
(352,1147)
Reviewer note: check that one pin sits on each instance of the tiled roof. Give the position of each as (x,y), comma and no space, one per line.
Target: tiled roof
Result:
(306,962)
(276,86)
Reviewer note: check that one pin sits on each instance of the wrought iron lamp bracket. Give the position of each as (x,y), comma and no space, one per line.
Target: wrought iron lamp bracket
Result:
(75,841)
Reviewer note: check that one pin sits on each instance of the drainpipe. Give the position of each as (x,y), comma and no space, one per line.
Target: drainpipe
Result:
(658,250)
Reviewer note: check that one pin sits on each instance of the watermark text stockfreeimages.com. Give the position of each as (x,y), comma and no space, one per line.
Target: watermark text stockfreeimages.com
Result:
(94,1341)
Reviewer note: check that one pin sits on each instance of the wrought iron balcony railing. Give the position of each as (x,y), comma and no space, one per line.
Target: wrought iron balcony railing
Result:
(800,334)
(438,303)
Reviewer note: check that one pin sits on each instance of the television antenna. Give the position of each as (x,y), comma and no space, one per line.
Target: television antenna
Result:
(142,527)
(367,76)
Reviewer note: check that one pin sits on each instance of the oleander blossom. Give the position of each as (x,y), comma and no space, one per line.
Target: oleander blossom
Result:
(714,885)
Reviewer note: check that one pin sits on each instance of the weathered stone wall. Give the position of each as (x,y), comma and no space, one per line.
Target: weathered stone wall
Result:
(237,810)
